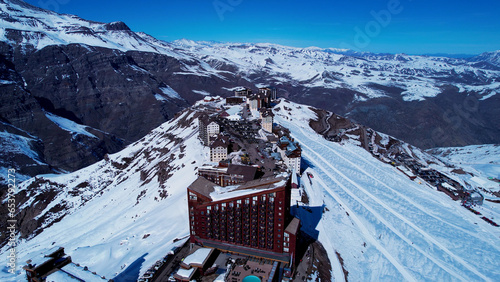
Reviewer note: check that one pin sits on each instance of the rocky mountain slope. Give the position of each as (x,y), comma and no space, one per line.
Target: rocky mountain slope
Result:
(120,84)
(374,222)
(129,203)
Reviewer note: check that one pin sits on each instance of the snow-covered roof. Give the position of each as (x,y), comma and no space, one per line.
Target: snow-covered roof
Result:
(218,193)
(186,274)
(448,186)
(72,272)
(234,110)
(198,258)
(248,188)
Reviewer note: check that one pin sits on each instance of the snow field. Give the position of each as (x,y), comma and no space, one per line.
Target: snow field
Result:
(411,232)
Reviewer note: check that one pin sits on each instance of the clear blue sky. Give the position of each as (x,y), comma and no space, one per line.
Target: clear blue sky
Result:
(392,26)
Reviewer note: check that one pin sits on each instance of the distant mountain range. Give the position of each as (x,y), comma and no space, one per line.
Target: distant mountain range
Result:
(60,73)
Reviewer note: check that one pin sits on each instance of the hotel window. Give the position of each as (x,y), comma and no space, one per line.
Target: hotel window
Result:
(192,196)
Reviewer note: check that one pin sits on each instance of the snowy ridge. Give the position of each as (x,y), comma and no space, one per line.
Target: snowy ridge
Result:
(33,28)
(16,146)
(415,78)
(490,57)
(39,28)
(69,125)
(129,206)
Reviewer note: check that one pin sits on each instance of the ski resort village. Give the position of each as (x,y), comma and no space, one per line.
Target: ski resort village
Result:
(240,220)
(256,188)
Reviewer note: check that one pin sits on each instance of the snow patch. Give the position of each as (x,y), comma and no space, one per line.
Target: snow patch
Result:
(170,92)
(201,92)
(69,125)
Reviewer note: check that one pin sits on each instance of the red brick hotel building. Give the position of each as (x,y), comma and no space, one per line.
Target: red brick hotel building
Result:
(252,218)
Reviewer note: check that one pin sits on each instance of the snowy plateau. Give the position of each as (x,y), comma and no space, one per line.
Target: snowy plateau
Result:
(127,209)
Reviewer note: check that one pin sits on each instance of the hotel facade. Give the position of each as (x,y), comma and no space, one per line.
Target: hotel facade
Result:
(252,218)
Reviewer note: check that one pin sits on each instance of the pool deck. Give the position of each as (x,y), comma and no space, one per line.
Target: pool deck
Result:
(258,267)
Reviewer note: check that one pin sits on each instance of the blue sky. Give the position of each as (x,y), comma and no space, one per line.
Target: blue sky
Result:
(392,26)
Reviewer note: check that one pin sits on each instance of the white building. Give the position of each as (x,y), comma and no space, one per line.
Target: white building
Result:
(208,128)
(219,149)
(213,128)
(266,116)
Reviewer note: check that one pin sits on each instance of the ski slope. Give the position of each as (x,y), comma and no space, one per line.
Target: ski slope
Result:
(385,226)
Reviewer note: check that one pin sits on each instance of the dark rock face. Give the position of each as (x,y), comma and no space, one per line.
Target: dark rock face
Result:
(118,96)
(447,120)
(100,88)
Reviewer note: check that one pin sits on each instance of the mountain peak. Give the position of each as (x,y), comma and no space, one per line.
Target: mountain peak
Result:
(117,26)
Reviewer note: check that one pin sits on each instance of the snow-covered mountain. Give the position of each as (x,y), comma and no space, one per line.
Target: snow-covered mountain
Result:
(121,84)
(32,27)
(418,77)
(490,57)
(374,222)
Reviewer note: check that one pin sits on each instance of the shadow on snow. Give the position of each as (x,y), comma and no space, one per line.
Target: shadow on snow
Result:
(132,272)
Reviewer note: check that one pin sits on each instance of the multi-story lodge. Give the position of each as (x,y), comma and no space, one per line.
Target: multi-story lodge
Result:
(208,128)
(242,92)
(266,116)
(290,152)
(219,148)
(252,218)
(270,92)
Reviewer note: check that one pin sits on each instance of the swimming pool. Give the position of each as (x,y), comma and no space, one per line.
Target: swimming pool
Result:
(251,278)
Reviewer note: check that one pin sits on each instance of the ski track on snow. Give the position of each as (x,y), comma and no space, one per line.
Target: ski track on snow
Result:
(385,222)
(408,200)
(390,226)
(367,233)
